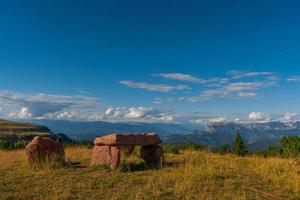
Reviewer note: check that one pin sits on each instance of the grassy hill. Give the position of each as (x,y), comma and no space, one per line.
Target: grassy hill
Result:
(18,128)
(17,135)
(188,175)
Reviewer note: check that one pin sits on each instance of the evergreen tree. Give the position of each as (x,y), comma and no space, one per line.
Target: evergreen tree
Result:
(290,146)
(239,146)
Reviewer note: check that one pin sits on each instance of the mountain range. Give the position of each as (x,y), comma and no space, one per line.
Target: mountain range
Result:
(256,135)
(89,130)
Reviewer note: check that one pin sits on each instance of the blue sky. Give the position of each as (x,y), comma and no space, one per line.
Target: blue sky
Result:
(168,61)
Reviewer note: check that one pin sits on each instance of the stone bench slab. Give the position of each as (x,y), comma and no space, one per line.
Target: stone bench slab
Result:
(132,139)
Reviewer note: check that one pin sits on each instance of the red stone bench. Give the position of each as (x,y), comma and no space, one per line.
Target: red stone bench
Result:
(107,149)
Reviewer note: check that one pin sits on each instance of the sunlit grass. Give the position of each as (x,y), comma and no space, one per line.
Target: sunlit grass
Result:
(188,175)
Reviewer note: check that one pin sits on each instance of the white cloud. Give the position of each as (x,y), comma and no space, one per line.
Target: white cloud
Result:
(137,113)
(40,105)
(222,87)
(231,91)
(182,77)
(242,86)
(247,94)
(259,116)
(154,87)
(208,94)
(24,113)
(217,92)
(235,74)
(198,121)
(293,79)
(289,117)
(159,100)
(217,120)
(67,116)
(114,112)
(205,119)
(197,99)
(167,118)
(237,120)
(148,114)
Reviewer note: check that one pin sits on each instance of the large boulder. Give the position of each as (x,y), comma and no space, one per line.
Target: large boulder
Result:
(42,149)
(106,155)
(108,149)
(132,139)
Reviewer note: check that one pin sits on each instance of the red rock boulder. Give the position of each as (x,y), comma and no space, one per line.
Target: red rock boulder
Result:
(42,149)
(108,148)
(106,155)
(132,139)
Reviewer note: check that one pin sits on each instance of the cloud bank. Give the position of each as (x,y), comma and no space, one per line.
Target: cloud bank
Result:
(236,85)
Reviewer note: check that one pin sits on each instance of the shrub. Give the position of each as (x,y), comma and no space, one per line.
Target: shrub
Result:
(290,146)
(175,148)
(224,149)
(171,148)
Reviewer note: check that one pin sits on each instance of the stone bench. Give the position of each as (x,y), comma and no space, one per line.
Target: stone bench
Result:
(107,149)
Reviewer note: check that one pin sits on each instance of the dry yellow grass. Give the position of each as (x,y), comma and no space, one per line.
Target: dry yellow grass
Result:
(189,175)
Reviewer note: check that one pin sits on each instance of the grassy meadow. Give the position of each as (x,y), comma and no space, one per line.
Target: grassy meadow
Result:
(188,175)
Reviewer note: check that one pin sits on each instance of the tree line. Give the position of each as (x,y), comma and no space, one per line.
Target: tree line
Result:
(289,148)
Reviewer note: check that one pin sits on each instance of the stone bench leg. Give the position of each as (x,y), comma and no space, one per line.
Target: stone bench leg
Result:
(106,155)
(153,155)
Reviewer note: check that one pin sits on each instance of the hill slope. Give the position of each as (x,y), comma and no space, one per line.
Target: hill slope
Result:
(16,134)
(20,128)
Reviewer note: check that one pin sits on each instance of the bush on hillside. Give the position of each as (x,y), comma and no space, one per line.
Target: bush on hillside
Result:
(289,148)
(224,149)
(175,148)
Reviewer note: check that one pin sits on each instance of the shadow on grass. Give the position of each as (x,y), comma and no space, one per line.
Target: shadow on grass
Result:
(133,167)
(141,166)
(173,164)
(74,165)
(138,165)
